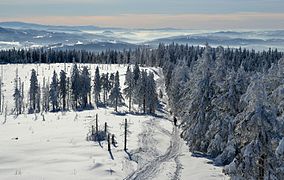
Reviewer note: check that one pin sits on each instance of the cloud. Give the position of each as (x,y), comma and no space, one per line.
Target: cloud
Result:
(188,21)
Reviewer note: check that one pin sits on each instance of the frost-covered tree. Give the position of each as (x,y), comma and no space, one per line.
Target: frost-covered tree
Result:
(54,92)
(68,87)
(141,91)
(45,96)
(280,156)
(115,96)
(33,93)
(86,86)
(18,94)
(106,87)
(22,104)
(97,86)
(75,85)
(196,119)
(274,85)
(228,87)
(63,89)
(152,96)
(256,136)
(136,73)
(176,84)
(38,99)
(144,92)
(129,86)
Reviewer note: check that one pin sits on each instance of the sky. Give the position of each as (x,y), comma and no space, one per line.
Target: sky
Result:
(186,14)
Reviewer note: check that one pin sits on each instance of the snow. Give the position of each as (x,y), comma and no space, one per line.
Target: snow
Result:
(78,43)
(57,147)
(280,148)
(38,37)
(10,43)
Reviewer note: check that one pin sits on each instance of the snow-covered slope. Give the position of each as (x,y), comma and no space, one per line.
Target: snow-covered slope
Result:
(57,147)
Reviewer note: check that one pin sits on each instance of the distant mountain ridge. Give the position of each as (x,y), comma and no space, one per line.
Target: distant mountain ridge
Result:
(30,35)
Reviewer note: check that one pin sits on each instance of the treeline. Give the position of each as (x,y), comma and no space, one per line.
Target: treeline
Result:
(79,91)
(26,56)
(171,53)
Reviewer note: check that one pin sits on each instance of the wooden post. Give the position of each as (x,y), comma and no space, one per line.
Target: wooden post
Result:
(105,127)
(108,142)
(125,135)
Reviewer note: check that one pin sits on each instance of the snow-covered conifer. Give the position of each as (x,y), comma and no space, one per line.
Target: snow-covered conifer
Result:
(33,93)
(54,92)
(75,85)
(115,96)
(97,86)
(63,89)
(86,86)
(129,89)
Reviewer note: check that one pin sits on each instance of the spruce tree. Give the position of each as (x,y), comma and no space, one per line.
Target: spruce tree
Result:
(63,88)
(115,94)
(97,86)
(17,94)
(38,99)
(75,85)
(33,92)
(152,96)
(46,96)
(86,86)
(54,92)
(105,86)
(136,73)
(129,89)
(141,91)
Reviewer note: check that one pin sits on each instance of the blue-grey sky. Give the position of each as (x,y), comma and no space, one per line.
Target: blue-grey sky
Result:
(194,14)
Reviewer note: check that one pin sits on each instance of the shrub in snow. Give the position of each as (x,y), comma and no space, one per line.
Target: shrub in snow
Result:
(97,136)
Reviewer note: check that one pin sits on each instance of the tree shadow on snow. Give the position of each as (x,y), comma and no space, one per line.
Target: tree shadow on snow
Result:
(111,155)
(206,156)
(128,154)
(145,114)
(111,171)
(200,155)
(100,143)
(119,113)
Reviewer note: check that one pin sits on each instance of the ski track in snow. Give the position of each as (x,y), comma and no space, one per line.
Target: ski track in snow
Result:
(152,168)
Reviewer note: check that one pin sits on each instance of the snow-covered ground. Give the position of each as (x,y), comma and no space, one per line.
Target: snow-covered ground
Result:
(56,148)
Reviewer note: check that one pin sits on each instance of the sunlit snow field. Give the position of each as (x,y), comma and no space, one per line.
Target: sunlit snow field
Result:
(56,148)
